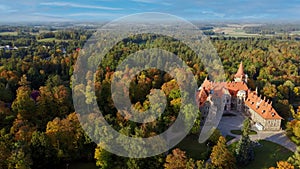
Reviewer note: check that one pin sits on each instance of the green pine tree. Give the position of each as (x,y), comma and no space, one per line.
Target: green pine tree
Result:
(244,150)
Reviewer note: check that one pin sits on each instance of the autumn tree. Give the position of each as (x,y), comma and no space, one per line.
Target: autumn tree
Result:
(295,158)
(283,165)
(24,104)
(214,138)
(5,148)
(103,158)
(43,153)
(66,136)
(20,158)
(221,156)
(177,160)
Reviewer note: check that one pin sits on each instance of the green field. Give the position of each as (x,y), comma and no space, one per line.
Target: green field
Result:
(193,148)
(266,155)
(49,40)
(9,33)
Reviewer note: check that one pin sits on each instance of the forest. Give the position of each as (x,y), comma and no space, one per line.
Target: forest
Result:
(39,125)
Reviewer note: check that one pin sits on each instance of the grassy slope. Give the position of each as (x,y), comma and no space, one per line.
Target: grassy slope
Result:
(267,155)
(193,148)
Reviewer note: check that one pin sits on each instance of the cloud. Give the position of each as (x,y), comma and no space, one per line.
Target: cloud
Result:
(6,9)
(152,2)
(216,14)
(74,5)
(91,14)
(24,18)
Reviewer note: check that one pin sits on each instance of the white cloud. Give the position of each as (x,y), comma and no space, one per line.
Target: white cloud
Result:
(216,14)
(32,18)
(91,14)
(152,2)
(6,9)
(74,5)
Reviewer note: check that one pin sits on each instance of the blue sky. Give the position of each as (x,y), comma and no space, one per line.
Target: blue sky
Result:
(98,10)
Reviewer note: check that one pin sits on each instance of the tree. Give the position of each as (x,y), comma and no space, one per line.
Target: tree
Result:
(213,139)
(149,162)
(5,148)
(43,153)
(24,104)
(283,165)
(66,136)
(176,160)
(19,159)
(295,159)
(221,156)
(270,90)
(244,150)
(103,158)
(23,81)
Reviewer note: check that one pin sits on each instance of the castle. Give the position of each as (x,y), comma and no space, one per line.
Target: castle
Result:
(237,97)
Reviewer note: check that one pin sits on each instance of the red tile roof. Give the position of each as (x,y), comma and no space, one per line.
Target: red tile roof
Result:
(261,106)
(207,87)
(234,87)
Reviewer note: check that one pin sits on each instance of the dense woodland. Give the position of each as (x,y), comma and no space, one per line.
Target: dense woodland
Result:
(40,128)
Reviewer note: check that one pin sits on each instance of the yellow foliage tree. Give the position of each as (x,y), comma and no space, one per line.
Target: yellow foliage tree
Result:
(221,156)
(283,165)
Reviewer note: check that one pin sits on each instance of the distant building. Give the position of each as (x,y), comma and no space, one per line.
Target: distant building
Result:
(7,47)
(236,96)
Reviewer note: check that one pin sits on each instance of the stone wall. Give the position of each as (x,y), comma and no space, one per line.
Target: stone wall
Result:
(268,124)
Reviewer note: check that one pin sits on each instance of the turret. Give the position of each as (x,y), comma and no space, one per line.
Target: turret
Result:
(240,76)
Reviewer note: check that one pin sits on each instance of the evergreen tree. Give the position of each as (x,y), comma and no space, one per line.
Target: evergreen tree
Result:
(244,150)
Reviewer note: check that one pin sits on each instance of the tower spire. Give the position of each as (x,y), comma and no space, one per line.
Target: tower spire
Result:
(240,76)
(240,73)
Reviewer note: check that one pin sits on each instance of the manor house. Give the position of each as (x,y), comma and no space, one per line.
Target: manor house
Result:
(238,98)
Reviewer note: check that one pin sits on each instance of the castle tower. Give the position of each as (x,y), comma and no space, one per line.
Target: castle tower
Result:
(240,76)
(241,97)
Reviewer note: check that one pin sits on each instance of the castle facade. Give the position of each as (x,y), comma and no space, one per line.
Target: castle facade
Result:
(237,97)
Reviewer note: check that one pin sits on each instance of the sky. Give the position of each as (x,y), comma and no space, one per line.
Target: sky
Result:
(106,10)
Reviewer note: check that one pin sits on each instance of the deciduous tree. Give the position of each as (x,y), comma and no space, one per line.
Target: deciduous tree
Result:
(221,156)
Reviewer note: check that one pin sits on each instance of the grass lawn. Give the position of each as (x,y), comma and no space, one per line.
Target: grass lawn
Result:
(266,155)
(9,33)
(193,148)
(239,132)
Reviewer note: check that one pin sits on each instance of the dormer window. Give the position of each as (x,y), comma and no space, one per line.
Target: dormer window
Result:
(263,111)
